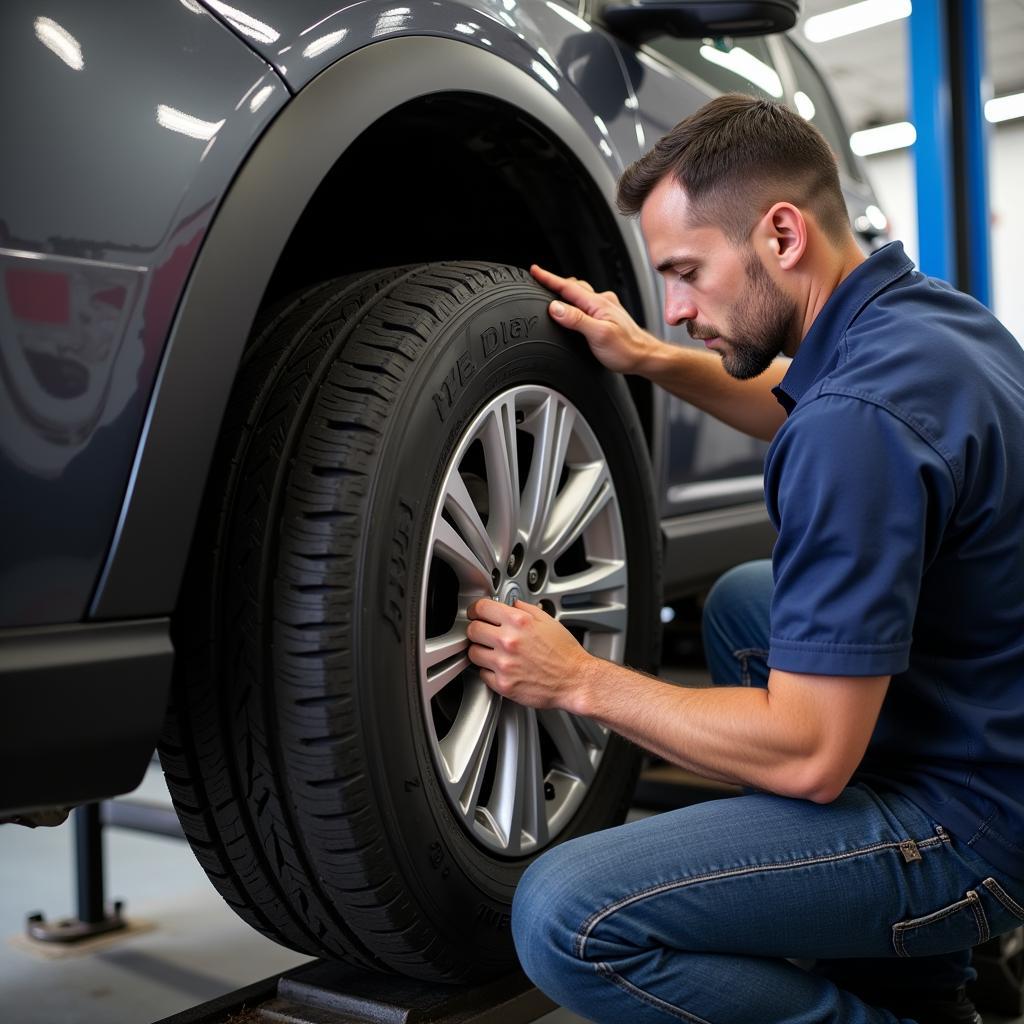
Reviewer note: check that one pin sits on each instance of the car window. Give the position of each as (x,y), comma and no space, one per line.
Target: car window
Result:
(812,99)
(742,65)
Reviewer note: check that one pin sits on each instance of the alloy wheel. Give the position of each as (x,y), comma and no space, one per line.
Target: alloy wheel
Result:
(527,510)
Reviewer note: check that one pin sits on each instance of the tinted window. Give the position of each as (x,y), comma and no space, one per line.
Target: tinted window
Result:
(743,65)
(813,101)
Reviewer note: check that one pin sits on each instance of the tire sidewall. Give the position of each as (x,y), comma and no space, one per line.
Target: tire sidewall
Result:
(501,339)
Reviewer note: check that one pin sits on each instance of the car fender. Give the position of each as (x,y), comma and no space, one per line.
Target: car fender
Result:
(147,557)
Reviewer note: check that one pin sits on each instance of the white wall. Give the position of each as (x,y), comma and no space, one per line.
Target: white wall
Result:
(892,175)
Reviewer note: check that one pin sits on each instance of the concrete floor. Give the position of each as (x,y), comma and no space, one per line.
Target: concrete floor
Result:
(186,946)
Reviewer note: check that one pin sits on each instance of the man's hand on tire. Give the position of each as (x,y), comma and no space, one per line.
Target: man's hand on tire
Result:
(526,655)
(616,340)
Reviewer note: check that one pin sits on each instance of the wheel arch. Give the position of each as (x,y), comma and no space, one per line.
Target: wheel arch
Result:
(259,222)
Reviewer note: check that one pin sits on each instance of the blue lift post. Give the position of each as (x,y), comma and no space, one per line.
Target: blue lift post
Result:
(948,88)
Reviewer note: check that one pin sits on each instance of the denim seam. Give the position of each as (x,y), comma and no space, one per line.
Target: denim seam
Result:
(743,656)
(607,971)
(983,828)
(585,929)
(1004,897)
(979,916)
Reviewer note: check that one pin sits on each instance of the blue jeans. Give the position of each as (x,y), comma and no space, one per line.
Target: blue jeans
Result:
(698,914)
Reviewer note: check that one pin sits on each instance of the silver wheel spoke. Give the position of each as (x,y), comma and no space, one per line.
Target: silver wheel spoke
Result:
(600,618)
(604,574)
(517,803)
(460,507)
(586,492)
(555,424)
(451,548)
(467,746)
(445,658)
(569,742)
(593,732)
(501,455)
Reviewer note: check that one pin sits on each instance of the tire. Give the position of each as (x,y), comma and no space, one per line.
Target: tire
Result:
(312,772)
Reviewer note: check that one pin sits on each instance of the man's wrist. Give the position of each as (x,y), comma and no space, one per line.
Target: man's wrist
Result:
(586,680)
(654,358)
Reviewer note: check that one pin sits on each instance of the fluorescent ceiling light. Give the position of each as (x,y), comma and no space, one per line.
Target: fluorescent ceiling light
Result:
(876,218)
(804,105)
(60,41)
(883,138)
(743,63)
(845,21)
(1005,108)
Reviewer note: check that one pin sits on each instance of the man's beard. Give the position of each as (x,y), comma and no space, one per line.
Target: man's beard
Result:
(763,327)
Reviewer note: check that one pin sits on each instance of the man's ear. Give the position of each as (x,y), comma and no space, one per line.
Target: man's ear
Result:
(785,232)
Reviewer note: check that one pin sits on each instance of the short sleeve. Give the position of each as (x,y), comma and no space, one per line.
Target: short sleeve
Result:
(859,499)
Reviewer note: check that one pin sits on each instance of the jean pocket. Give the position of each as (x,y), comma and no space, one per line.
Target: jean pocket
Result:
(961,925)
(1005,912)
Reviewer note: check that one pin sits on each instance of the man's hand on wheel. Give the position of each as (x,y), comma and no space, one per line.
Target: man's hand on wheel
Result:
(525,655)
(618,342)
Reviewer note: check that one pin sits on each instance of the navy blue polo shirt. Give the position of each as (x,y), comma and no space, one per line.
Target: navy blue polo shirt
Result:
(896,484)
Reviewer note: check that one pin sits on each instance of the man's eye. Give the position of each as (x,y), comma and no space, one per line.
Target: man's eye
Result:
(688,276)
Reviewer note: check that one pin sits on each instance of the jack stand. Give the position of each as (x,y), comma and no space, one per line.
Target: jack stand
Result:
(330,993)
(93,917)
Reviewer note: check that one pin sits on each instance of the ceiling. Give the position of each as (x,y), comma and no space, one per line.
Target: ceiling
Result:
(869,71)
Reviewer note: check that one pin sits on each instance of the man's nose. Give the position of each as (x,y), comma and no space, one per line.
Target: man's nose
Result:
(678,310)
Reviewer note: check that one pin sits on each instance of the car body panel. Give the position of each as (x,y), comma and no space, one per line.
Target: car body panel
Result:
(82,708)
(101,218)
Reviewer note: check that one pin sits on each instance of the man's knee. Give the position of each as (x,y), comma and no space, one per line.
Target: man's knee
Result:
(736,624)
(737,592)
(547,913)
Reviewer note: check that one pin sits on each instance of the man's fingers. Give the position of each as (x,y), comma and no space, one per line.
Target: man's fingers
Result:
(534,611)
(547,278)
(486,610)
(569,316)
(575,292)
(482,657)
(480,632)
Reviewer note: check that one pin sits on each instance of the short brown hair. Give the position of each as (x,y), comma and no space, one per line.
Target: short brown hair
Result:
(734,158)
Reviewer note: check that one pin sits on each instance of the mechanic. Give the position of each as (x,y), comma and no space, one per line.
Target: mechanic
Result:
(874,700)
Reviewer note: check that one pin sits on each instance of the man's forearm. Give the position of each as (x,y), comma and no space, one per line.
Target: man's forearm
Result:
(728,733)
(700,379)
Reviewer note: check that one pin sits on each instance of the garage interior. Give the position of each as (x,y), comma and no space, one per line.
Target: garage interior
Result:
(183,948)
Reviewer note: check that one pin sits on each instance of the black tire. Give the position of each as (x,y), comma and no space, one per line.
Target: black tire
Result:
(296,748)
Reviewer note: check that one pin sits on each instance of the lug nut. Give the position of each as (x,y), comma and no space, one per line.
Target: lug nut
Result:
(495,579)
(515,560)
(535,577)
(549,791)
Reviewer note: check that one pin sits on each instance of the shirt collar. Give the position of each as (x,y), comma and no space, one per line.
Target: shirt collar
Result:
(818,348)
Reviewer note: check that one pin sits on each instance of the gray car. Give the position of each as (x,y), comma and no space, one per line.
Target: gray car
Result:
(278,401)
